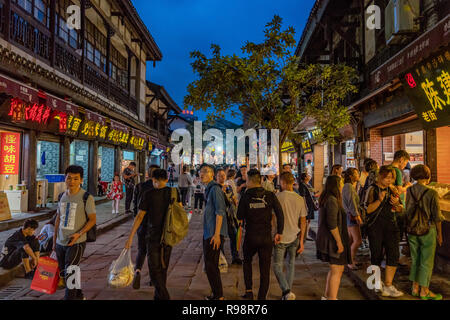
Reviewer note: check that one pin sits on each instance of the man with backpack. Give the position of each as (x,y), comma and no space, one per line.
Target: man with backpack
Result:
(156,202)
(255,208)
(214,230)
(75,217)
(139,191)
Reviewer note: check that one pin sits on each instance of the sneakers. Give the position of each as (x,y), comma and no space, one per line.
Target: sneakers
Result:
(137,281)
(323,299)
(391,291)
(248,296)
(211,297)
(289,296)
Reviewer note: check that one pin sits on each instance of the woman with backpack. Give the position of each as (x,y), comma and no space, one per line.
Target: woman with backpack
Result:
(424,230)
(383,205)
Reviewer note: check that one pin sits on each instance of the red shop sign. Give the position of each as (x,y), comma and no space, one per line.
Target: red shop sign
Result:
(10,153)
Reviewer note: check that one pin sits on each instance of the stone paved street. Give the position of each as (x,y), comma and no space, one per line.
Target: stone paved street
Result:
(186,280)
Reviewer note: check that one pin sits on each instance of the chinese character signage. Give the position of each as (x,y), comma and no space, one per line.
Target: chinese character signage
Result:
(428,88)
(10,153)
(35,113)
(73,125)
(306,146)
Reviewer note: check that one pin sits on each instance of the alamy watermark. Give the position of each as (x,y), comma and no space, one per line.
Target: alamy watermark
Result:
(373,20)
(74,279)
(216,151)
(374,280)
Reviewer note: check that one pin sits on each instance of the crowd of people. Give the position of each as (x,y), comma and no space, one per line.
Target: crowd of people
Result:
(376,206)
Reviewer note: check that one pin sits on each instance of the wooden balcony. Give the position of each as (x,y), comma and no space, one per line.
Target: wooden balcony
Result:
(31,36)
(34,38)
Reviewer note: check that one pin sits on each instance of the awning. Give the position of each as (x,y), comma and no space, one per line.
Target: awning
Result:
(18,90)
(118,126)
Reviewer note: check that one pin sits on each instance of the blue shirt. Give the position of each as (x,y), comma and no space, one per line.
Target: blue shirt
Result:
(215,206)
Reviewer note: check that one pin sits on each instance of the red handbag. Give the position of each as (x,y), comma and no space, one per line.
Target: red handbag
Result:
(46,276)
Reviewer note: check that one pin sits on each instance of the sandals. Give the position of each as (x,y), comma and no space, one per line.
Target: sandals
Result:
(415,294)
(428,297)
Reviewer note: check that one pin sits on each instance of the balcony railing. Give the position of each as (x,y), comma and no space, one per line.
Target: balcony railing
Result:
(68,61)
(31,36)
(95,78)
(35,38)
(383,56)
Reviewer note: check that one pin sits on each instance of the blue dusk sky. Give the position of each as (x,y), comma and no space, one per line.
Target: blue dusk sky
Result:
(182,26)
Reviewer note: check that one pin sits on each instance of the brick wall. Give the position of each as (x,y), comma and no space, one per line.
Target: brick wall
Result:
(376,145)
(443,152)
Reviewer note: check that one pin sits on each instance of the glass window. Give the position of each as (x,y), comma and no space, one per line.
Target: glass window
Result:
(71,37)
(25,4)
(106,162)
(48,156)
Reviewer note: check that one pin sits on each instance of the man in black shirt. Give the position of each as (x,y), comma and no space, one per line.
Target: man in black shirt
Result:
(255,208)
(22,246)
(139,191)
(242,181)
(155,202)
(128,177)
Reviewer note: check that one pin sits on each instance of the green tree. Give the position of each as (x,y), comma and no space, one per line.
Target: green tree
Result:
(270,86)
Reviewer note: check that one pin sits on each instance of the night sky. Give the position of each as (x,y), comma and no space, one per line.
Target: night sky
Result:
(182,26)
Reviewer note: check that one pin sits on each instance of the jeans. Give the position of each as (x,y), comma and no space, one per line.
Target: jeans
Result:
(70,256)
(211,258)
(199,198)
(422,250)
(158,273)
(262,245)
(183,192)
(142,246)
(285,280)
(128,197)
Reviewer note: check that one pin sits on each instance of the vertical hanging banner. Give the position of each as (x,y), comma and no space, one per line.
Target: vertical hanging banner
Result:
(10,153)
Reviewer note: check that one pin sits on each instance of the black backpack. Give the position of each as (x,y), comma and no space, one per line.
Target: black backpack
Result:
(417,223)
(91,235)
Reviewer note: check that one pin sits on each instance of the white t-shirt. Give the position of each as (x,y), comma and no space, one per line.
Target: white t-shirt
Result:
(294,207)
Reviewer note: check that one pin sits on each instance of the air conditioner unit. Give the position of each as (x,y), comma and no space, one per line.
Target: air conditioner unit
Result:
(400,20)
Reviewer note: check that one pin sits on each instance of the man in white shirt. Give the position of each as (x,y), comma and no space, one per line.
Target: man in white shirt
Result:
(294,208)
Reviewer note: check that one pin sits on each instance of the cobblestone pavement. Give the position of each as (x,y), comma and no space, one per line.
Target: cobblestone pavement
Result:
(186,280)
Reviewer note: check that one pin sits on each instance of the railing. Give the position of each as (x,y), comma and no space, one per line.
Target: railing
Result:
(118,94)
(67,61)
(35,39)
(383,56)
(2,18)
(95,78)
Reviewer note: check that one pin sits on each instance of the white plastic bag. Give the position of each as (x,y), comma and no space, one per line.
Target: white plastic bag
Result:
(121,272)
(223,264)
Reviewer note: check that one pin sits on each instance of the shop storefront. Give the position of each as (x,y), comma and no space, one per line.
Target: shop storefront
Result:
(41,135)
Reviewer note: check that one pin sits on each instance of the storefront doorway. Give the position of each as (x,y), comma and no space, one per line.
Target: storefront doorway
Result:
(128,157)
(412,142)
(106,163)
(79,155)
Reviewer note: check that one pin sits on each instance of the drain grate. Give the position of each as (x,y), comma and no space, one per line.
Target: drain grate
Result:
(9,292)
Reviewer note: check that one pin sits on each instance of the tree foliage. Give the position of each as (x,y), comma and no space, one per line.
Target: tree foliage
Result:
(268,84)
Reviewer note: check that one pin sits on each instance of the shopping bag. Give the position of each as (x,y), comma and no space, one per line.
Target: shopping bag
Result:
(121,272)
(46,276)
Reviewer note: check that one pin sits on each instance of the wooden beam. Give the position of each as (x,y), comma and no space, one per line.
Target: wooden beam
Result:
(344,36)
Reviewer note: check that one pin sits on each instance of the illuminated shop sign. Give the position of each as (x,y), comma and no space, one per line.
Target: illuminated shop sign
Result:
(427,86)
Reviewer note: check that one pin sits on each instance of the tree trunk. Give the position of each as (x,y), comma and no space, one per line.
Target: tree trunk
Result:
(298,149)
